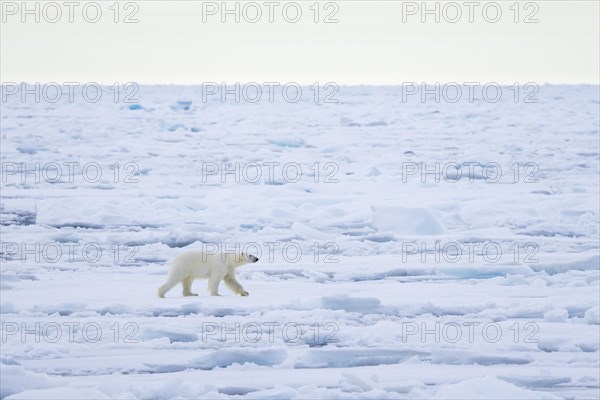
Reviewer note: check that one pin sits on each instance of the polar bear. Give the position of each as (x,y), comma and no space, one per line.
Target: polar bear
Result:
(201,265)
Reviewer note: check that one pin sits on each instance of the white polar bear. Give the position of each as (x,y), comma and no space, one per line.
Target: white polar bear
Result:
(200,265)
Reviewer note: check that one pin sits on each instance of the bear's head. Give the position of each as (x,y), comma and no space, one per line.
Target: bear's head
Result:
(235,260)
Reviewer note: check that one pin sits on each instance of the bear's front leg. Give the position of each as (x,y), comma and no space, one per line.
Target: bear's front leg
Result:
(234,285)
(213,284)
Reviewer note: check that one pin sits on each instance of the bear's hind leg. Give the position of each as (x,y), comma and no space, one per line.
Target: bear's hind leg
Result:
(167,286)
(187,287)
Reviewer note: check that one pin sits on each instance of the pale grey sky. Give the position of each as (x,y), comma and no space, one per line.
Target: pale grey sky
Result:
(373,42)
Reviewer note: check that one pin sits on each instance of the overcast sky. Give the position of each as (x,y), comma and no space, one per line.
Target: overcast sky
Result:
(373,42)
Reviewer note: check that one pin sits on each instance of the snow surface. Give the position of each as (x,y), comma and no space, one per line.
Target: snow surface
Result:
(378,312)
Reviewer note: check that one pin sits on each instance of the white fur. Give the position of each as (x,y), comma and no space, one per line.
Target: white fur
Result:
(198,265)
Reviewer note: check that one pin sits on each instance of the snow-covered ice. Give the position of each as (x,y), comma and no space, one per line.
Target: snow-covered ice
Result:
(407,249)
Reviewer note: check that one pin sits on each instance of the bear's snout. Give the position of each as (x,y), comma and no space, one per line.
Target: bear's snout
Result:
(253,258)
